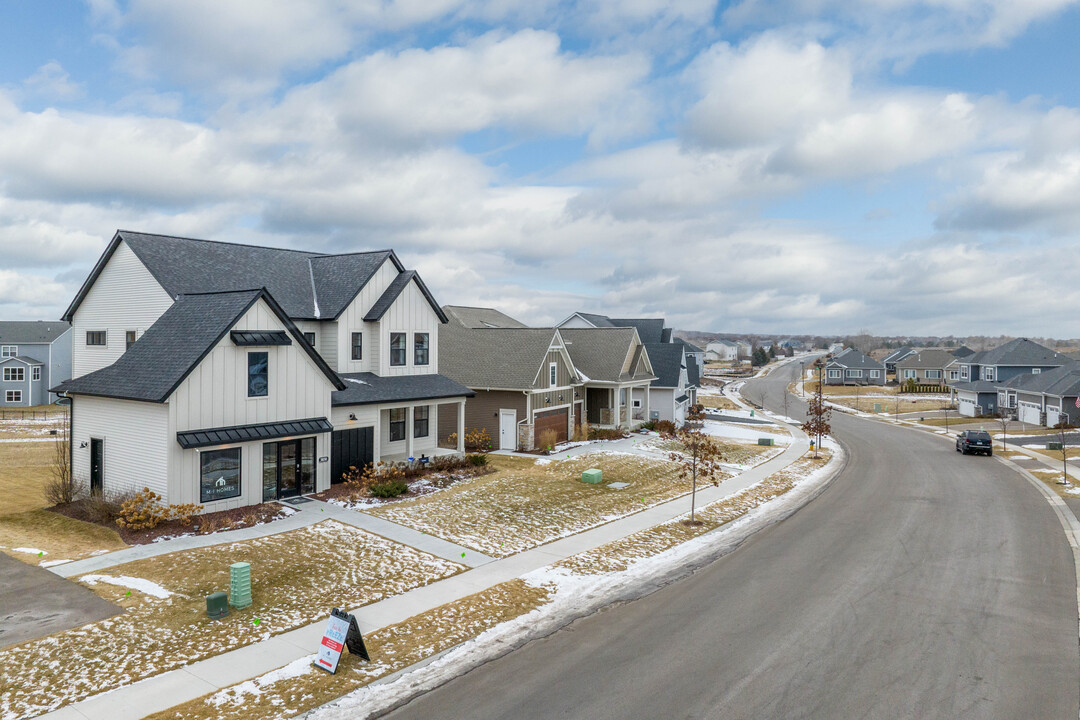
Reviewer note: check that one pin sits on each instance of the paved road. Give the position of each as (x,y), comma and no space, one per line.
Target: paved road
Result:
(920,584)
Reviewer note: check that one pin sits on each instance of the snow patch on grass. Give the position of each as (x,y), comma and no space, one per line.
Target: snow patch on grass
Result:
(132,583)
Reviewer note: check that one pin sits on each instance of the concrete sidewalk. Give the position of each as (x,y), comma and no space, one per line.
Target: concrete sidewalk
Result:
(172,688)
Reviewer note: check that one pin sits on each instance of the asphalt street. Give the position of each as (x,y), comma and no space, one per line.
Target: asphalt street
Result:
(919,584)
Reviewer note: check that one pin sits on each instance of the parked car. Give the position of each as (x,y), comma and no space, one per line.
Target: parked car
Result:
(974,441)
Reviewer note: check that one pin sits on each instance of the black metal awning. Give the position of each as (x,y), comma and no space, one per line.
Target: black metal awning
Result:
(245,433)
(260,337)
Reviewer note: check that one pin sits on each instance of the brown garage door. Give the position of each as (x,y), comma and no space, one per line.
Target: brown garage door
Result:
(552,420)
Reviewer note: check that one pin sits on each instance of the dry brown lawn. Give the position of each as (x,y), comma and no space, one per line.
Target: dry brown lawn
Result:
(297,577)
(524,504)
(391,649)
(908,404)
(718,401)
(24,468)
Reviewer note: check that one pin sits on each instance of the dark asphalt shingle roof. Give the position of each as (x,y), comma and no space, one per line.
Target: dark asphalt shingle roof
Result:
(597,320)
(693,371)
(27,332)
(650,330)
(1019,352)
(394,289)
(926,359)
(370,389)
(477,317)
(896,355)
(23,359)
(172,347)
(339,278)
(963,351)
(855,360)
(667,363)
(503,358)
(979,386)
(691,347)
(1062,381)
(599,353)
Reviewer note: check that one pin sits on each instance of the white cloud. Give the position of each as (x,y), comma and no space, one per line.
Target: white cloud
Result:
(52,82)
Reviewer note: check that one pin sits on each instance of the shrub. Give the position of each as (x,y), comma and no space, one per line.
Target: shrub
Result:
(665,427)
(184,513)
(548,439)
(581,432)
(477,459)
(606,434)
(446,463)
(651,425)
(142,512)
(389,489)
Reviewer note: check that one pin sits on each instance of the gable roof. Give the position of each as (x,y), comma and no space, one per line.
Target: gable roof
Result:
(478,317)
(600,353)
(28,332)
(897,355)
(307,285)
(369,389)
(650,330)
(21,358)
(667,363)
(1062,381)
(394,289)
(595,319)
(854,360)
(693,371)
(963,351)
(172,347)
(928,359)
(499,358)
(1018,352)
(690,347)
(977,386)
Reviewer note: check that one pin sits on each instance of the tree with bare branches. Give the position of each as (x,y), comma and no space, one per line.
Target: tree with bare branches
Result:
(1004,417)
(818,414)
(700,454)
(1062,427)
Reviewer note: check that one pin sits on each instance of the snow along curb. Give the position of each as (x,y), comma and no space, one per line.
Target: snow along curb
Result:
(576,597)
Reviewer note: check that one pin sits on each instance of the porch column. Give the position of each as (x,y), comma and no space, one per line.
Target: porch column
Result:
(648,415)
(461,427)
(377,438)
(409,431)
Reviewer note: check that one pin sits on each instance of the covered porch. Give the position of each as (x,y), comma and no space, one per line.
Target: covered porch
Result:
(617,405)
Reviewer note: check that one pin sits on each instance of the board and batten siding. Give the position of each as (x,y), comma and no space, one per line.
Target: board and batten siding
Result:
(136,436)
(124,297)
(215,395)
(410,313)
(352,320)
(563,375)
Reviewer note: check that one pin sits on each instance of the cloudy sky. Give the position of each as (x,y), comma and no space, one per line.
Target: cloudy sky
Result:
(787,166)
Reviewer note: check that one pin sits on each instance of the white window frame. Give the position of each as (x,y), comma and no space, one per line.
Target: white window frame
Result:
(7,351)
(989,373)
(854,373)
(14,374)
(954,374)
(910,374)
(875,374)
(553,374)
(835,374)
(13,396)
(933,374)
(1036,371)
(964,372)
(35,372)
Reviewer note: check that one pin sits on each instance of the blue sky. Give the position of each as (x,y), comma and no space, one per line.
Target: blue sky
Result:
(773,166)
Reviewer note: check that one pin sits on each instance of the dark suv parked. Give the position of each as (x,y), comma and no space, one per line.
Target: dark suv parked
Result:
(974,441)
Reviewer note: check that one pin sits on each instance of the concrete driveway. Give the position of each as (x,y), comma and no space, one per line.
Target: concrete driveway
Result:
(35,602)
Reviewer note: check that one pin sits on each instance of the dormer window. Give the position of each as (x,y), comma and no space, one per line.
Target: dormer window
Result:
(397,349)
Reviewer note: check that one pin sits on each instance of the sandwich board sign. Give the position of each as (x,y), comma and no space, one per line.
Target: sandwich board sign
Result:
(341,632)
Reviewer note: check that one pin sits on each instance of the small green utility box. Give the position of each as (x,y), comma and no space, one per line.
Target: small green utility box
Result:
(240,585)
(877,407)
(764,441)
(1053,446)
(593,476)
(217,605)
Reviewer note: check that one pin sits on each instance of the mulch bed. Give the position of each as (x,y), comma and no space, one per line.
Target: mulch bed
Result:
(224,520)
(423,484)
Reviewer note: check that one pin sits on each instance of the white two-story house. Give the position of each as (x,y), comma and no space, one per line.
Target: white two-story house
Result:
(229,375)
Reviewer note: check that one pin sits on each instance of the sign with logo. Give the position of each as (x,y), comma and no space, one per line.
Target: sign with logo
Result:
(341,632)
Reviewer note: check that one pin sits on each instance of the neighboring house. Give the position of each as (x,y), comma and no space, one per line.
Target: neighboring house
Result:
(722,351)
(34,356)
(229,375)
(692,350)
(890,360)
(674,389)
(524,380)
(1045,398)
(835,348)
(612,363)
(477,317)
(852,367)
(962,352)
(975,399)
(1016,357)
(929,367)
(650,330)
(792,343)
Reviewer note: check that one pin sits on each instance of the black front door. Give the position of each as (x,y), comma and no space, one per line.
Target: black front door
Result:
(288,468)
(97,466)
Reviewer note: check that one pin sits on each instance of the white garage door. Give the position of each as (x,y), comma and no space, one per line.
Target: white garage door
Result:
(1029,413)
(1053,415)
(966,407)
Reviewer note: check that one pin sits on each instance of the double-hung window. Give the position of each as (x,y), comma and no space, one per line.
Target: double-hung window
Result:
(7,351)
(420,348)
(35,372)
(397,424)
(97,338)
(258,374)
(420,421)
(357,346)
(397,349)
(13,396)
(909,374)
(14,374)
(835,373)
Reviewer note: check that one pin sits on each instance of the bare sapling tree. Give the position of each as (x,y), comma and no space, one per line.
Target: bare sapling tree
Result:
(818,415)
(700,455)
(1004,417)
(1062,426)
(785,399)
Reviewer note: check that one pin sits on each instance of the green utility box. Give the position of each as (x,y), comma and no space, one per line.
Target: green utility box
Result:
(240,585)
(217,605)
(1053,446)
(593,476)
(877,407)
(764,441)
